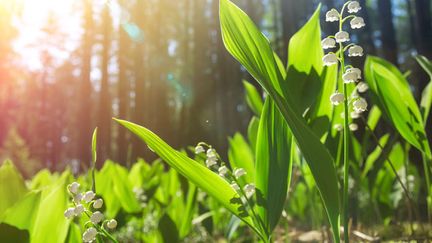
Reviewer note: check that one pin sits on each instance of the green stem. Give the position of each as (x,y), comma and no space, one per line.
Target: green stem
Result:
(428,187)
(345,139)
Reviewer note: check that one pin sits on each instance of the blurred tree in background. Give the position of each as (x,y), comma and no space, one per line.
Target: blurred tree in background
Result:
(160,63)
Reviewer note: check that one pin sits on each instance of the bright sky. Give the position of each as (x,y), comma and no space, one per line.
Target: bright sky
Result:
(32,39)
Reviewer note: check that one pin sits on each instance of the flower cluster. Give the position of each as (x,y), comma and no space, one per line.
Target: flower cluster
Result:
(214,162)
(83,202)
(349,74)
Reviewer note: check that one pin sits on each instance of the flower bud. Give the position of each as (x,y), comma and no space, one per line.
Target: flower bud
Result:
(362,87)
(112,224)
(353,127)
(96,217)
(223,170)
(249,190)
(79,209)
(89,235)
(73,187)
(69,213)
(360,105)
(235,186)
(88,196)
(98,203)
(211,161)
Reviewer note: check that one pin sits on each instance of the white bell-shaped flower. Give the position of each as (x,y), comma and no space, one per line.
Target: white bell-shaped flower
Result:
(96,217)
(79,209)
(88,196)
(328,43)
(89,235)
(112,224)
(357,23)
(350,77)
(211,161)
(338,127)
(354,7)
(235,186)
(239,172)
(342,36)
(355,51)
(211,154)
(337,98)
(330,59)
(356,71)
(223,170)
(360,105)
(353,127)
(355,115)
(73,187)
(78,197)
(69,213)
(199,149)
(98,203)
(249,190)
(332,15)
(362,87)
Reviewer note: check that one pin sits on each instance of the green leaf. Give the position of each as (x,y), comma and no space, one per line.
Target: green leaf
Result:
(400,106)
(94,158)
(240,156)
(168,229)
(11,234)
(50,217)
(253,98)
(12,186)
(23,213)
(191,203)
(253,132)
(426,100)
(246,43)
(272,164)
(207,180)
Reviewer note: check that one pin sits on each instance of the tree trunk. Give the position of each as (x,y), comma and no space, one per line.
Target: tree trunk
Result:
(388,36)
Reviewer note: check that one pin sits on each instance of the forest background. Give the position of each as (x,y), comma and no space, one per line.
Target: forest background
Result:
(69,66)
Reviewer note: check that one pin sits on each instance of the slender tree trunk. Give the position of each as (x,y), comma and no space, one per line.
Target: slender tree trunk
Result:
(84,124)
(105,110)
(423,23)
(388,34)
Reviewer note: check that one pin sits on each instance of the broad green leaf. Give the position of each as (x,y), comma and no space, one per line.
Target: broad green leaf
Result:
(253,132)
(373,117)
(272,164)
(168,229)
(23,213)
(426,100)
(253,98)
(373,156)
(105,183)
(400,106)
(123,189)
(11,234)
(241,156)
(12,186)
(247,44)
(207,180)
(50,225)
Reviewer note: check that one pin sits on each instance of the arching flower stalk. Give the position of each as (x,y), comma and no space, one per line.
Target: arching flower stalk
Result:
(245,192)
(348,75)
(83,203)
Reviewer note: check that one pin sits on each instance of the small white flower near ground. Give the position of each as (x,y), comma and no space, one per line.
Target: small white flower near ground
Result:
(223,170)
(98,203)
(239,172)
(96,217)
(199,149)
(338,127)
(235,186)
(362,87)
(353,127)
(249,190)
(73,187)
(88,196)
(79,209)
(89,235)
(112,224)
(69,213)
